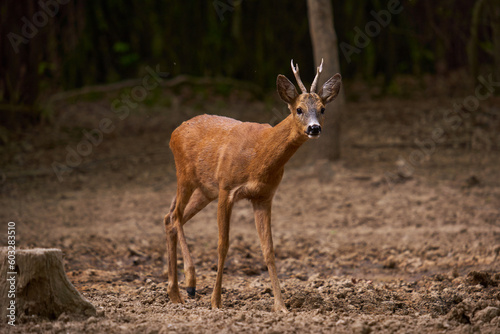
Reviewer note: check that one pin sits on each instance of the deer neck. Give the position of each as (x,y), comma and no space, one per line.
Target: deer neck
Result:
(279,144)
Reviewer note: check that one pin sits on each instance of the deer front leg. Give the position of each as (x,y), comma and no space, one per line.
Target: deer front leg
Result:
(262,211)
(223,217)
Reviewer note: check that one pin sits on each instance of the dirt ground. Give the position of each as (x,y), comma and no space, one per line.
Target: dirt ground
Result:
(387,240)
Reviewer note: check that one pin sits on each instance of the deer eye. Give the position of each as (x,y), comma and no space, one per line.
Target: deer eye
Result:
(322,110)
(299,111)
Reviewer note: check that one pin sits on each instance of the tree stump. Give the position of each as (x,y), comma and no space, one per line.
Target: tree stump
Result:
(35,284)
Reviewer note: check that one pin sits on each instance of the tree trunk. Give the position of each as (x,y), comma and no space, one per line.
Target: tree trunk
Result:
(473,43)
(324,41)
(494,9)
(33,282)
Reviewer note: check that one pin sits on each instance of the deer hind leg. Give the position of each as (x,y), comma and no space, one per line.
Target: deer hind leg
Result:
(223,217)
(173,228)
(196,203)
(171,235)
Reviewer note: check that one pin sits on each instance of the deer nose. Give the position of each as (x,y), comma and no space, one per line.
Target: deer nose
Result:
(313,130)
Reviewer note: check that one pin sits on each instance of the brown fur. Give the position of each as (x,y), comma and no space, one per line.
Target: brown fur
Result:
(219,157)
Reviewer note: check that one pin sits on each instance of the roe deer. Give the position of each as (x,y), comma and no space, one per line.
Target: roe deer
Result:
(225,159)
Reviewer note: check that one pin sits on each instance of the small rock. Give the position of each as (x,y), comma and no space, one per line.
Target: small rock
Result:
(347,284)
(390,263)
(64,317)
(91,320)
(472,181)
(360,327)
(480,277)
(459,314)
(487,314)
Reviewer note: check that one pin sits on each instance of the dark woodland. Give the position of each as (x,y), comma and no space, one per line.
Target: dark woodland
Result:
(388,223)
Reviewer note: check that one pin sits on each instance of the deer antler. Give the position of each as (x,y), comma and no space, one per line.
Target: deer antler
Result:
(315,81)
(297,77)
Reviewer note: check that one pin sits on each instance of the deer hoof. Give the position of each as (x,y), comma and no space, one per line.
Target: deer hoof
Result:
(191,292)
(216,304)
(280,308)
(175,298)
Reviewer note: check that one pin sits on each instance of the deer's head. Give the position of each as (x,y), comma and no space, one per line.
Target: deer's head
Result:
(308,109)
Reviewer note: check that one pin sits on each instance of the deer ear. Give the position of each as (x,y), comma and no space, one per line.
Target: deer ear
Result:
(330,89)
(286,89)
